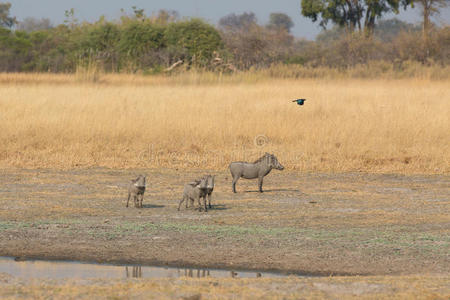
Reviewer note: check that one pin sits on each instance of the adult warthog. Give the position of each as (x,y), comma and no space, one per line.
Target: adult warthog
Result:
(258,169)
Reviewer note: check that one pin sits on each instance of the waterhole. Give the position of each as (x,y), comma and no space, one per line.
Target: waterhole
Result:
(43,269)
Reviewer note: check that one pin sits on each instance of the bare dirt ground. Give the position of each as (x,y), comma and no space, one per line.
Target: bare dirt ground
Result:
(320,224)
(313,223)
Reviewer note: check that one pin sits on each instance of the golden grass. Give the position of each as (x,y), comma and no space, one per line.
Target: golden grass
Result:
(374,287)
(205,121)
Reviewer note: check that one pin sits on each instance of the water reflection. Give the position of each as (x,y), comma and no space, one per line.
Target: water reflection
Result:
(136,272)
(66,269)
(199,273)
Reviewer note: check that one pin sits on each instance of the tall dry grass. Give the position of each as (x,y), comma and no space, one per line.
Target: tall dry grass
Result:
(203,121)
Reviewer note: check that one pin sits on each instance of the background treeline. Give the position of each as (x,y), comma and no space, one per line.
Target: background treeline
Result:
(164,42)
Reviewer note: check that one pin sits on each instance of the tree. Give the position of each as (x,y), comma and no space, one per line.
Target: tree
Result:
(388,30)
(330,35)
(5,19)
(165,17)
(139,42)
(14,50)
(351,14)
(280,21)
(430,8)
(237,22)
(138,13)
(70,19)
(31,24)
(193,41)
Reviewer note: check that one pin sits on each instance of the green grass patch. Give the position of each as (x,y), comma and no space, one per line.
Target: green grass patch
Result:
(396,237)
(226,230)
(6,225)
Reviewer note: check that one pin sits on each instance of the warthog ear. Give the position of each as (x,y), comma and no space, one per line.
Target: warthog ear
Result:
(194,182)
(273,159)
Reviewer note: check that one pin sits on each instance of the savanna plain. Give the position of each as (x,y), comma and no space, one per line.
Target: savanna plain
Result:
(363,204)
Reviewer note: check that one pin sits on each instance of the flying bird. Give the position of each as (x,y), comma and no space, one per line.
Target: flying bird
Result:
(300,101)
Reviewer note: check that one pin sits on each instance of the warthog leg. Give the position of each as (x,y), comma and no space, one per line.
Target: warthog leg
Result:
(141,199)
(206,207)
(199,203)
(182,199)
(128,200)
(235,179)
(260,183)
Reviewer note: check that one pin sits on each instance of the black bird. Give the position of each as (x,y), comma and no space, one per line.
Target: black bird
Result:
(300,101)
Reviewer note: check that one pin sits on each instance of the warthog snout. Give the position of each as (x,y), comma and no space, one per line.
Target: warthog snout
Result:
(276,164)
(279,167)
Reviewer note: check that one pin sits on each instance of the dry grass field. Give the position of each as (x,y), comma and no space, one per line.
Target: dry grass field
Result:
(374,287)
(205,121)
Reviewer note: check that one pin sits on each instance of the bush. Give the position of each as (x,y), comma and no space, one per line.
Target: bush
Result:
(140,44)
(193,41)
(14,50)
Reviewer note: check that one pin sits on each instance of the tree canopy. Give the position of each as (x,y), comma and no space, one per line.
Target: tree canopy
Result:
(31,24)
(5,19)
(280,21)
(237,22)
(351,14)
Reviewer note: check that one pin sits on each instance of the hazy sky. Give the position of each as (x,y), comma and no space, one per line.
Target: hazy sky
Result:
(211,10)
